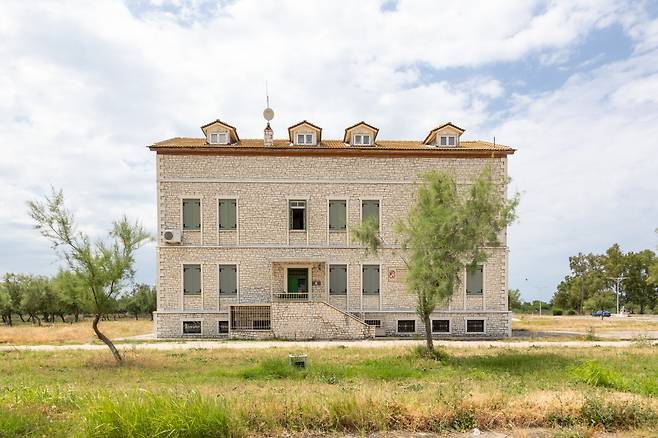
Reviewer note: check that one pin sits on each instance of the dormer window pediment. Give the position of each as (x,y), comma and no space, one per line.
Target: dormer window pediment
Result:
(218,132)
(361,134)
(444,136)
(305,133)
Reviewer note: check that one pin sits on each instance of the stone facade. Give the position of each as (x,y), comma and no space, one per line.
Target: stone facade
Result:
(262,248)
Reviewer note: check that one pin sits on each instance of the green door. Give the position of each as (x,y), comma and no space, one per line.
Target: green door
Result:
(297,280)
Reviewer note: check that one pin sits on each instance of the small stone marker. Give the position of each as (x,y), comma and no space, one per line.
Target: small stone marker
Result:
(298,360)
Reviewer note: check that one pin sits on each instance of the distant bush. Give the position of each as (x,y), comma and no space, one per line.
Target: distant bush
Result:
(557,311)
(571,312)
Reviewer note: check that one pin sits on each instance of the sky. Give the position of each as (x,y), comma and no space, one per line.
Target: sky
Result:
(572,85)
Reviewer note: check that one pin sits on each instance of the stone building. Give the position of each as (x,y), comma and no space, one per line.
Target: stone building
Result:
(254,235)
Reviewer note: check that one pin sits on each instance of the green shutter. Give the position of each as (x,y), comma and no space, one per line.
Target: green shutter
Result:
(192,279)
(191,214)
(338,280)
(227,214)
(370,278)
(474,280)
(370,209)
(337,215)
(228,279)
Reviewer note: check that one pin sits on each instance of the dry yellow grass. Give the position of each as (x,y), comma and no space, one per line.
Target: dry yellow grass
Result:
(583,323)
(62,333)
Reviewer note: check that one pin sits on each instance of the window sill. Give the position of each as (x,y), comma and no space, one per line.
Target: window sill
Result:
(474,294)
(338,295)
(228,230)
(191,295)
(369,294)
(191,230)
(338,231)
(228,294)
(297,231)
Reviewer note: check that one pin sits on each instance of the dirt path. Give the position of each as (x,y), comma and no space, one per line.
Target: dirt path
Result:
(296,345)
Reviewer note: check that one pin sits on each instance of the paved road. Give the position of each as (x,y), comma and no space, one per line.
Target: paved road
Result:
(296,345)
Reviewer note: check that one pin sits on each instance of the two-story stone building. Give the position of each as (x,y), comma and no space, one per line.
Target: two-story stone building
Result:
(254,235)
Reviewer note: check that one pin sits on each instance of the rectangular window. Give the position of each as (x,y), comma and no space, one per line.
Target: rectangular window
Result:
(370,279)
(228,279)
(474,280)
(370,209)
(306,139)
(191,327)
(475,326)
(250,318)
(219,138)
(192,279)
(447,140)
(227,214)
(298,281)
(374,322)
(222,327)
(361,139)
(297,215)
(337,215)
(440,326)
(451,141)
(406,326)
(337,279)
(191,214)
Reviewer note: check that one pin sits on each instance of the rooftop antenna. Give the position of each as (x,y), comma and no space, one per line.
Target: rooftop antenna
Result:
(268,114)
(494,140)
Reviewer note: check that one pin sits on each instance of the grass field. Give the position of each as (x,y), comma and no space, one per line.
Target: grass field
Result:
(239,393)
(69,333)
(584,323)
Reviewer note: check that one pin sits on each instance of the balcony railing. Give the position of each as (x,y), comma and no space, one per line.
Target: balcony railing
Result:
(291,296)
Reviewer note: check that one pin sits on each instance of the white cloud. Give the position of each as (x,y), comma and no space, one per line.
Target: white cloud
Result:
(85,86)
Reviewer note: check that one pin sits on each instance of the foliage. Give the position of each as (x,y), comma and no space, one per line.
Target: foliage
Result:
(557,311)
(103,268)
(444,232)
(591,283)
(141,300)
(514,299)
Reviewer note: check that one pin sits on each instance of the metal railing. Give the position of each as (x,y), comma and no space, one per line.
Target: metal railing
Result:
(291,296)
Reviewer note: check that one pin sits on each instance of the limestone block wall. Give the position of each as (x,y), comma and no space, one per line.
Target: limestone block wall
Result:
(316,320)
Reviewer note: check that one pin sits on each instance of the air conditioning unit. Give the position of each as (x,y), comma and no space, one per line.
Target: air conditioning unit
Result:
(171,235)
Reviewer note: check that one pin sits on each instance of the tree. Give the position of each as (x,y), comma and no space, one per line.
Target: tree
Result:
(103,267)
(36,297)
(636,286)
(13,285)
(443,233)
(514,299)
(6,308)
(71,293)
(142,300)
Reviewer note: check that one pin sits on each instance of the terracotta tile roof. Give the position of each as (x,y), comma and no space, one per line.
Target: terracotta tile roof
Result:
(464,145)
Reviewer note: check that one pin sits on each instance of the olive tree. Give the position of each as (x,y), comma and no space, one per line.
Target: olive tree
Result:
(444,232)
(103,266)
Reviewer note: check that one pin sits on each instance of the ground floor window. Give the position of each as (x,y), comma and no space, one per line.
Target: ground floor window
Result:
(222,327)
(374,322)
(440,326)
(298,280)
(250,318)
(406,326)
(191,327)
(475,326)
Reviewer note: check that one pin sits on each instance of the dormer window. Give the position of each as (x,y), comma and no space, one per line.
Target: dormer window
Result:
(218,138)
(361,140)
(447,140)
(305,139)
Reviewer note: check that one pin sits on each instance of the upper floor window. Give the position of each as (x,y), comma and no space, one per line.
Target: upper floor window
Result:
(191,279)
(361,139)
(227,214)
(191,214)
(337,279)
(337,215)
(370,279)
(305,139)
(474,280)
(228,279)
(297,214)
(447,140)
(218,137)
(370,209)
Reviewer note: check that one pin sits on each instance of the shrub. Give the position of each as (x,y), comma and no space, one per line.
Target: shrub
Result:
(557,312)
(614,416)
(438,354)
(595,374)
(571,312)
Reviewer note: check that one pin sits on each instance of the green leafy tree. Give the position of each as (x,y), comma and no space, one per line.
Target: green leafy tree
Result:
(104,267)
(36,293)
(6,308)
(13,285)
(141,300)
(602,300)
(637,288)
(71,293)
(444,232)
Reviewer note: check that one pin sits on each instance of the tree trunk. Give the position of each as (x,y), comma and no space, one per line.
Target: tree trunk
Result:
(136,317)
(105,339)
(428,334)
(151,316)
(21,317)
(35,318)
(9,319)
(61,315)
(76,316)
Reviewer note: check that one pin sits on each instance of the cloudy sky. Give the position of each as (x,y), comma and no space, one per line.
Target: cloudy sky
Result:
(573,85)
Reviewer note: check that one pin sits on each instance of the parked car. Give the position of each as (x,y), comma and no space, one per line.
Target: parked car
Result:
(601,313)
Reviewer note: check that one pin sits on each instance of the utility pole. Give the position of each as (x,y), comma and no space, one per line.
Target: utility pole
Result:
(617,281)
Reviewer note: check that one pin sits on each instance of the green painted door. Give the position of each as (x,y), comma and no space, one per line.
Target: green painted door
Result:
(297,280)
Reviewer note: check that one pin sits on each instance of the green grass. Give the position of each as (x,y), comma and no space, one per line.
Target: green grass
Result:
(256,392)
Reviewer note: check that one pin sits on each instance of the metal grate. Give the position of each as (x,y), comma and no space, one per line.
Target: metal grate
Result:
(250,318)
(374,322)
